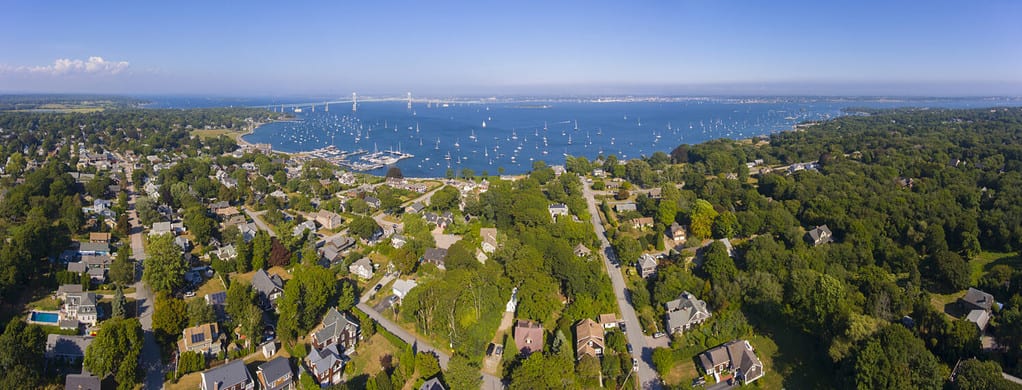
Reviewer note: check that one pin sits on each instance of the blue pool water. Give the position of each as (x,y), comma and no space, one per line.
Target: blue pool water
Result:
(44,317)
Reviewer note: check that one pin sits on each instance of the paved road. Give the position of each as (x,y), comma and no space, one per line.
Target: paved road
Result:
(647,376)
(150,360)
(259,221)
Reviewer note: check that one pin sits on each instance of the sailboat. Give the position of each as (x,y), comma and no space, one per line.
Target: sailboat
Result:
(569,139)
(437,143)
(484,124)
(576,125)
(457,143)
(473,135)
(514,135)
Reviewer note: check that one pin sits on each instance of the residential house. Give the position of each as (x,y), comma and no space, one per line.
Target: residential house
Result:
(101,238)
(730,248)
(82,381)
(489,236)
(268,288)
(401,287)
(736,356)
(819,235)
(415,208)
(302,228)
(339,329)
(397,241)
(279,195)
(81,307)
(372,201)
(557,209)
(608,320)
(433,384)
(68,348)
(440,221)
(647,265)
(203,339)
(654,193)
(328,220)
(435,256)
(978,306)
(528,336)
(598,172)
(326,365)
(642,222)
(558,169)
(363,268)
(685,313)
(276,374)
(219,301)
(676,232)
(226,213)
(160,228)
(225,253)
(248,231)
(230,376)
(582,250)
(588,339)
(183,242)
(268,348)
(623,207)
(93,248)
(215,207)
(333,250)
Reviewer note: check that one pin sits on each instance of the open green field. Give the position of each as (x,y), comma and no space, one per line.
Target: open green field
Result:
(213,133)
(987,260)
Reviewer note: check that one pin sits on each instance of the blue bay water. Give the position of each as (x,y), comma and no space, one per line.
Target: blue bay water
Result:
(516,134)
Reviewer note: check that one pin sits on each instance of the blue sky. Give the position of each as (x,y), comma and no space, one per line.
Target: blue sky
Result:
(513,47)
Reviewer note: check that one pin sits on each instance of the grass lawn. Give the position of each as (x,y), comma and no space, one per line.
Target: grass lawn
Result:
(682,373)
(366,359)
(211,286)
(987,260)
(45,303)
(213,133)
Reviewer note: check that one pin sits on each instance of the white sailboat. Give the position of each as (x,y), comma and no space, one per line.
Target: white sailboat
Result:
(484,124)
(473,135)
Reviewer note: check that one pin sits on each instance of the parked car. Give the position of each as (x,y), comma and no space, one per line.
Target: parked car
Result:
(622,326)
(628,347)
(635,364)
(377,288)
(189,294)
(659,335)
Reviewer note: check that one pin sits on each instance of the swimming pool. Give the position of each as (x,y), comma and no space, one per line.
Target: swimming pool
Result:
(50,318)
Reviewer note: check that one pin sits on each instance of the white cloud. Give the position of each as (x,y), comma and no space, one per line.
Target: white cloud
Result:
(66,66)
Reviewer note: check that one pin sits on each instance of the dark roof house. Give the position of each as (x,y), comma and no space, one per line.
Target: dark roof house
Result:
(276,374)
(230,376)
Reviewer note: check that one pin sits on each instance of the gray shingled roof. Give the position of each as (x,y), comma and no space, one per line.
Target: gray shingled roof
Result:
(226,375)
(81,382)
(265,283)
(274,370)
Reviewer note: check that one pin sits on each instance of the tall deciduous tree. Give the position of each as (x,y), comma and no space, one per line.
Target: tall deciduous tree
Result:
(115,350)
(164,265)
(702,217)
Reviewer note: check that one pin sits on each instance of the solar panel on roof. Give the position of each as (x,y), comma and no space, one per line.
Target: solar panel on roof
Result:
(198,338)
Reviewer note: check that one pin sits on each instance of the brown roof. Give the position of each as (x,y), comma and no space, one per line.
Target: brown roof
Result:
(99,237)
(200,334)
(608,318)
(588,338)
(528,336)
